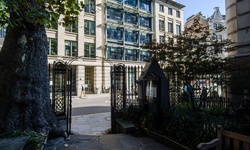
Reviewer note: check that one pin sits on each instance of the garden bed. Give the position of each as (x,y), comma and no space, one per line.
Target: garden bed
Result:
(163,139)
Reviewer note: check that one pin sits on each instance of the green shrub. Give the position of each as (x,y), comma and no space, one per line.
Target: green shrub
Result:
(215,111)
(189,128)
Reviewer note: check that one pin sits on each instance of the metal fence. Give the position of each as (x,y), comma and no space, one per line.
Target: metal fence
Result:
(214,85)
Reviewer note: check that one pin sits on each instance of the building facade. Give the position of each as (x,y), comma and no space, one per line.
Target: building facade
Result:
(217,24)
(238,30)
(238,26)
(110,32)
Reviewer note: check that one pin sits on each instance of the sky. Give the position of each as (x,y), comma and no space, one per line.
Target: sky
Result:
(206,7)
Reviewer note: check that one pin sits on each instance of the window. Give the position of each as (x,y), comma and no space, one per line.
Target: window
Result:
(52,44)
(130,54)
(131,36)
(114,14)
(89,6)
(170,40)
(161,39)
(3,31)
(161,25)
(114,33)
(217,26)
(145,22)
(178,29)
(170,11)
(170,27)
(178,14)
(131,2)
(71,48)
(72,28)
(219,37)
(89,27)
(145,38)
(161,8)
(145,5)
(114,53)
(144,55)
(130,18)
(89,50)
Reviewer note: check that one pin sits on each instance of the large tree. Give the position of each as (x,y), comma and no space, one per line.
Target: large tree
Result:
(24,83)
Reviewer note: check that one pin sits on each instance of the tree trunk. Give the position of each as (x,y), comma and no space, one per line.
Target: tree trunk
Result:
(24,81)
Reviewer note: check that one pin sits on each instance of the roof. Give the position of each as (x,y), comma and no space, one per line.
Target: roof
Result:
(175,4)
(216,14)
(152,68)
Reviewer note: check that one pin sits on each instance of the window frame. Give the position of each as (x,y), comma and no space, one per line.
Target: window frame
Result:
(131,36)
(90,24)
(114,33)
(178,29)
(170,27)
(162,25)
(55,51)
(170,11)
(161,8)
(114,53)
(161,39)
(114,14)
(178,14)
(91,50)
(130,54)
(89,6)
(145,22)
(72,28)
(144,55)
(71,46)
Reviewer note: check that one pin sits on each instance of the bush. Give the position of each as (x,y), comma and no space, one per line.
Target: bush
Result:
(189,128)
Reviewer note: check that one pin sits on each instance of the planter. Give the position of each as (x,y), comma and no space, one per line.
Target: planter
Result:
(165,140)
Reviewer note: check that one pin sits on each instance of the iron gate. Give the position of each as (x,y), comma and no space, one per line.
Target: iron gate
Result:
(124,91)
(118,92)
(62,93)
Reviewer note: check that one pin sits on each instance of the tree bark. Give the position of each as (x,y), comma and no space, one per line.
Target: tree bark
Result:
(24,81)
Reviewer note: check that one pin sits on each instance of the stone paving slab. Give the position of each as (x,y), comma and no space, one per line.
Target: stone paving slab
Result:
(90,133)
(128,142)
(92,124)
(14,143)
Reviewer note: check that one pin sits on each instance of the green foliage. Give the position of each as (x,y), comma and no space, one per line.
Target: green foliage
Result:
(16,13)
(34,141)
(192,53)
(187,127)
(134,114)
(215,111)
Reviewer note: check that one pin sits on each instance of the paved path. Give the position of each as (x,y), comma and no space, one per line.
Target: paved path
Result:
(89,130)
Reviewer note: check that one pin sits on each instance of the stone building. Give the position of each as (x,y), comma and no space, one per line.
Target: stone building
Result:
(238,30)
(238,25)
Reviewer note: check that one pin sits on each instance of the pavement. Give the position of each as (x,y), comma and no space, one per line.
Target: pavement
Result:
(91,131)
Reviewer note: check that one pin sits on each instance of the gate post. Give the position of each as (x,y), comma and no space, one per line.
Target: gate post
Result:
(62,93)
(118,93)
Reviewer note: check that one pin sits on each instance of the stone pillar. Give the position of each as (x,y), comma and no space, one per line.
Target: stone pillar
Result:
(80,78)
(98,80)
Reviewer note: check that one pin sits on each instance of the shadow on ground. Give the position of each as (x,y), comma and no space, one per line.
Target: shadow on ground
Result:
(90,110)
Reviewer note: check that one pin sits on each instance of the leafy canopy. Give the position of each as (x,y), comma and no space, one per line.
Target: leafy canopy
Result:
(39,11)
(194,52)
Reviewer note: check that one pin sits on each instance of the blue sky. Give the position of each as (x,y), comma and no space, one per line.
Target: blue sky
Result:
(206,7)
